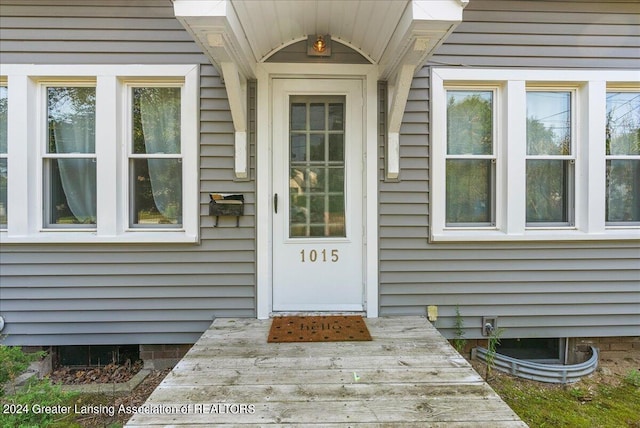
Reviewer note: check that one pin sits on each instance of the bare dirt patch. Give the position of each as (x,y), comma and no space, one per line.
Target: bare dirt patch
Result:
(135,398)
(613,372)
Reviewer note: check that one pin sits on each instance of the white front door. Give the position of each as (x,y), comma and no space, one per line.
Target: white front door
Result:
(318,195)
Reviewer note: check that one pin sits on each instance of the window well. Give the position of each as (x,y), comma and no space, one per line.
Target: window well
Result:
(539,349)
(96,355)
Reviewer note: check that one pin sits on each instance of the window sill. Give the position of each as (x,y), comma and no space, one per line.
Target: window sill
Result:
(534,235)
(76,237)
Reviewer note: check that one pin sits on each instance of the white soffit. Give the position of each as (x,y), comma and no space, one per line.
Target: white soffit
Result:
(365,25)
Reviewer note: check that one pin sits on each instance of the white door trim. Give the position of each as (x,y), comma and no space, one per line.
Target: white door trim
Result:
(332,283)
(264,191)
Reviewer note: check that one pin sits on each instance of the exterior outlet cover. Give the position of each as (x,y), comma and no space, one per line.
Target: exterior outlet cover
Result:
(432,313)
(489,320)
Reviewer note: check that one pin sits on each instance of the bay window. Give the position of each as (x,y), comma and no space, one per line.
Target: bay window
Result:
(534,155)
(107,153)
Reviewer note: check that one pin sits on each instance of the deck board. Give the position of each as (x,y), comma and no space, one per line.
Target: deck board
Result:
(407,376)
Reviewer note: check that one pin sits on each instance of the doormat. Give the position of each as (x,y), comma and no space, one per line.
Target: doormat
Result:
(322,328)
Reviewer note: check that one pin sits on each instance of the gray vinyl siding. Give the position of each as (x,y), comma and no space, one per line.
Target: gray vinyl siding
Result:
(118,294)
(536,289)
(100,294)
(542,33)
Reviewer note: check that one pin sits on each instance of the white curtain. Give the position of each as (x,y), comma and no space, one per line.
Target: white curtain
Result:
(78,176)
(160,117)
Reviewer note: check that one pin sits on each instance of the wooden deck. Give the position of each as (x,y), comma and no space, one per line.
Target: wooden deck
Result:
(408,376)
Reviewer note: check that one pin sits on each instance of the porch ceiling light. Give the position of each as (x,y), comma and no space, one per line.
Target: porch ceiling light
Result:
(319,45)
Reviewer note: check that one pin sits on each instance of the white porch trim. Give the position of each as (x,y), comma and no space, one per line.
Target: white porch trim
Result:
(230,32)
(237,94)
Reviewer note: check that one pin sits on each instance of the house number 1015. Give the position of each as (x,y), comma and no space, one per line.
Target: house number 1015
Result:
(319,256)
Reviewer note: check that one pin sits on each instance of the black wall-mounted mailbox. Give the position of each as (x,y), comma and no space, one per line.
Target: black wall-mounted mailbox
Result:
(226,205)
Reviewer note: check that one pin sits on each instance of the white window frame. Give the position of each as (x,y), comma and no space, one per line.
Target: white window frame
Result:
(589,115)
(620,88)
(27,128)
(127,95)
(3,83)
(494,149)
(46,157)
(571,157)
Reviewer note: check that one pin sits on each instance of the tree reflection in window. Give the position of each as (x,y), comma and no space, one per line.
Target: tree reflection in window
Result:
(470,164)
(623,158)
(549,164)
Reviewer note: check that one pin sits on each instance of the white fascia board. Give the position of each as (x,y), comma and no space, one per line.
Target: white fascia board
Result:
(438,10)
(200,7)
(431,21)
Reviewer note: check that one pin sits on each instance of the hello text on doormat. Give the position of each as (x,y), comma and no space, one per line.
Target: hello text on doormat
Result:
(322,328)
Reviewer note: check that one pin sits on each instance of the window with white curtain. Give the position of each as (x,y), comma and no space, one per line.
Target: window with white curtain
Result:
(155,160)
(69,161)
(107,153)
(519,154)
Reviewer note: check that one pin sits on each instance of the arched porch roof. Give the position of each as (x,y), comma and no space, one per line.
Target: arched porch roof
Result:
(396,36)
(388,33)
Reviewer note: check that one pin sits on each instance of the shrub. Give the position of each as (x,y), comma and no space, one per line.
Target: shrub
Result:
(14,361)
(21,409)
(459,342)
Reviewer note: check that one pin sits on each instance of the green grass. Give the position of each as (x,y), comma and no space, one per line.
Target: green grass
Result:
(24,408)
(36,404)
(588,405)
